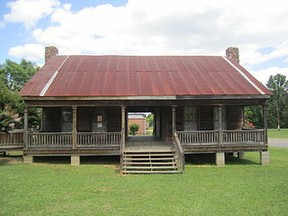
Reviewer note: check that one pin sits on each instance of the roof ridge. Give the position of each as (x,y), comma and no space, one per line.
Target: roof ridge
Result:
(244,75)
(48,84)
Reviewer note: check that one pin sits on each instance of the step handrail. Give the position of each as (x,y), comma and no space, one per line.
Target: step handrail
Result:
(122,148)
(179,150)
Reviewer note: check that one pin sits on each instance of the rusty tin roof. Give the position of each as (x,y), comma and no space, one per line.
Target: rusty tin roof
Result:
(140,76)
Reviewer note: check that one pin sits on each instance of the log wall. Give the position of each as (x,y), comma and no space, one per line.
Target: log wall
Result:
(234,117)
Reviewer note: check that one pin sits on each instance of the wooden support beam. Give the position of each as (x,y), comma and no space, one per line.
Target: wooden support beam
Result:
(123,118)
(74,127)
(220,125)
(264,110)
(173,119)
(25,134)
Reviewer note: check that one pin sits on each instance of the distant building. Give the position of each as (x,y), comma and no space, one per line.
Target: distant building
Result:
(139,119)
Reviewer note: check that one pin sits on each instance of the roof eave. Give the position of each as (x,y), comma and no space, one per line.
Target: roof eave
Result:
(155,98)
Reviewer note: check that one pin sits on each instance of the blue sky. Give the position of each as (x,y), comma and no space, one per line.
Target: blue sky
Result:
(148,27)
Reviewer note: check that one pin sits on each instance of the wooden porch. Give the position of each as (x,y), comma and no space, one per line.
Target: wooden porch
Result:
(138,154)
(191,141)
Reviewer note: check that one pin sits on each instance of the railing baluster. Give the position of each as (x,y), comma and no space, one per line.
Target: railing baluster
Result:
(229,137)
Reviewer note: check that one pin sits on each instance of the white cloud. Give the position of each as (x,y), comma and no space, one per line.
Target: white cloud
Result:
(32,52)
(184,27)
(29,12)
(264,74)
(252,55)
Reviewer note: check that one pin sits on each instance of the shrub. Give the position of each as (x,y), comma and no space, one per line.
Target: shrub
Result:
(134,129)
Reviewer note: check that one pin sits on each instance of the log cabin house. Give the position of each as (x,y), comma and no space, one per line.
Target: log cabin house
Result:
(197,102)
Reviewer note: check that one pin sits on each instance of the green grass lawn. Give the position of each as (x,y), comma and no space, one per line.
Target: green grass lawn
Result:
(274,133)
(242,187)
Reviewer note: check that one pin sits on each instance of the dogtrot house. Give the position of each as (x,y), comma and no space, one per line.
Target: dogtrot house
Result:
(197,103)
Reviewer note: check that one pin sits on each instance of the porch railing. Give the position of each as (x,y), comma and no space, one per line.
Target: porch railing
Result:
(180,151)
(243,136)
(11,139)
(88,139)
(49,139)
(64,139)
(94,139)
(228,137)
(198,137)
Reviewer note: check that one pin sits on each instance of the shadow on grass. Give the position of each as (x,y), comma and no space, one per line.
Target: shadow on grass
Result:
(92,160)
(52,159)
(233,160)
(209,159)
(110,160)
(11,158)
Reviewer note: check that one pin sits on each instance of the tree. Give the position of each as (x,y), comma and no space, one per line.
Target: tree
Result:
(13,77)
(278,105)
(253,114)
(150,119)
(134,129)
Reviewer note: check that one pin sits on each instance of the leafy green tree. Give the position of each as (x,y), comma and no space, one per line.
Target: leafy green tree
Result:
(150,119)
(134,129)
(278,105)
(253,114)
(13,77)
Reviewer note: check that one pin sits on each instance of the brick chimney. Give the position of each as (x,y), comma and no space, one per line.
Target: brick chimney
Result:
(50,51)
(233,54)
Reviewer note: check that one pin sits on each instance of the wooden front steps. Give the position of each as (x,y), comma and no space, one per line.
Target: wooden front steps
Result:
(150,161)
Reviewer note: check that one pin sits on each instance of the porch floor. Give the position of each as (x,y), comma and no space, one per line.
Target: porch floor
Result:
(146,143)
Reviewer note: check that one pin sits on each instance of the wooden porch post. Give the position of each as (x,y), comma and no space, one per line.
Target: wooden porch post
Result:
(220,125)
(74,128)
(264,107)
(25,134)
(264,155)
(26,158)
(123,117)
(173,119)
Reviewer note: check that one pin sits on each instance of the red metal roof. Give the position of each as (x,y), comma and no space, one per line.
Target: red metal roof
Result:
(115,76)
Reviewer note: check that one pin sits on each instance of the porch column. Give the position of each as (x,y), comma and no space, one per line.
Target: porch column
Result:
(173,119)
(123,132)
(264,107)
(25,134)
(220,125)
(26,158)
(74,127)
(264,155)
